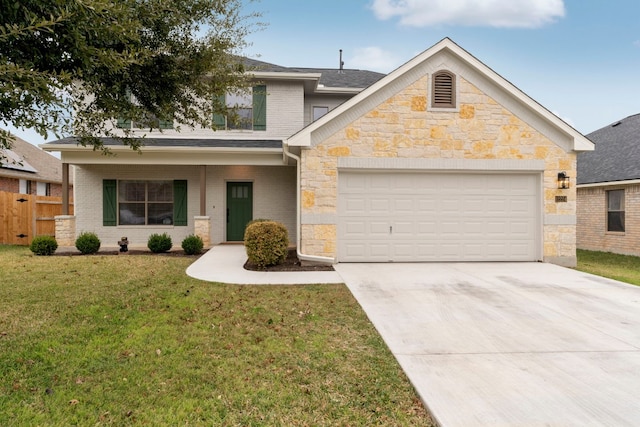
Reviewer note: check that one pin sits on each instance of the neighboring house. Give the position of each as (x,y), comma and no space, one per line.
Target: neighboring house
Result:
(26,169)
(609,190)
(441,160)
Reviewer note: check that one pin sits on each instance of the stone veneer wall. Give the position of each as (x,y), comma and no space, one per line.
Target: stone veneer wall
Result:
(592,231)
(404,127)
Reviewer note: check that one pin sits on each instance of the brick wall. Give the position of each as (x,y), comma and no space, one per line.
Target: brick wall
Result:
(10,185)
(592,231)
(404,127)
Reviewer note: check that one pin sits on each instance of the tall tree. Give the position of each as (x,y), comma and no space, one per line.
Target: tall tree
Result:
(105,59)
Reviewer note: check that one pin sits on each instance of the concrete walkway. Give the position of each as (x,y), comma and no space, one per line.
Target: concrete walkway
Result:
(509,344)
(224,263)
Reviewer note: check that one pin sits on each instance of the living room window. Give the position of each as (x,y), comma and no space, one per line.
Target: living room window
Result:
(245,110)
(138,202)
(615,210)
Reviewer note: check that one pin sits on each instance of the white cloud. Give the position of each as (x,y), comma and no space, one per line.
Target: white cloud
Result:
(373,58)
(492,13)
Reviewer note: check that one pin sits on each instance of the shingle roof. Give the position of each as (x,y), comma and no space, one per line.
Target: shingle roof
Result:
(44,166)
(186,142)
(617,153)
(330,77)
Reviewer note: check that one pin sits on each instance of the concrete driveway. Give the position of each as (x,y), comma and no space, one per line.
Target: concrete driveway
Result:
(509,344)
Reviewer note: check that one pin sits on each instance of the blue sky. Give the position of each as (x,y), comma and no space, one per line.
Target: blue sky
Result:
(578,58)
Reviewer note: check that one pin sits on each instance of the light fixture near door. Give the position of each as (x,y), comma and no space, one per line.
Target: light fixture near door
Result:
(564,181)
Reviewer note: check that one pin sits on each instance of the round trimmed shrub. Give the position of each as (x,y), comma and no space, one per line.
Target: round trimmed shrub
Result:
(43,245)
(159,243)
(88,243)
(266,243)
(192,245)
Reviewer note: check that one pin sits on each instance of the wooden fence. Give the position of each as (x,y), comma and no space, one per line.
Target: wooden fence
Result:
(25,216)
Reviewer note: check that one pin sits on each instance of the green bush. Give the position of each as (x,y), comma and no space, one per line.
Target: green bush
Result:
(88,243)
(43,245)
(192,245)
(266,243)
(159,243)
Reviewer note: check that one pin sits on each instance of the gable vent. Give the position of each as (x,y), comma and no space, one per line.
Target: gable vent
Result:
(444,90)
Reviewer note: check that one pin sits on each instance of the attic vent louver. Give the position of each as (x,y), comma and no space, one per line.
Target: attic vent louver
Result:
(444,90)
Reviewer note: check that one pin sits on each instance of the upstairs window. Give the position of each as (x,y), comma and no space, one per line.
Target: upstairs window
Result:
(615,210)
(245,110)
(319,112)
(443,90)
(153,122)
(156,123)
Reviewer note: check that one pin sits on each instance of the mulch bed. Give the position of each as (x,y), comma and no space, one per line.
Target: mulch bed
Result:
(291,263)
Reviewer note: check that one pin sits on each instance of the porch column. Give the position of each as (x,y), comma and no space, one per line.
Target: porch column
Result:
(65,189)
(202,223)
(203,190)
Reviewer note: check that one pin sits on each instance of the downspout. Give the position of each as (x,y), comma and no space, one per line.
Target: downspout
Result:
(301,256)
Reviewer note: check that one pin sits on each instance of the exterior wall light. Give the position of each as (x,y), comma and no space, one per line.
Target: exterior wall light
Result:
(563,181)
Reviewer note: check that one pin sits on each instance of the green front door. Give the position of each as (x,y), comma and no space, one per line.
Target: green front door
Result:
(239,209)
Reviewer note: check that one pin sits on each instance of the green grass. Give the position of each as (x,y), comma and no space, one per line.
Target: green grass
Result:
(131,340)
(625,268)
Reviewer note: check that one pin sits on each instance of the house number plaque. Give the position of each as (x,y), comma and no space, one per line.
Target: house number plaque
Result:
(561,199)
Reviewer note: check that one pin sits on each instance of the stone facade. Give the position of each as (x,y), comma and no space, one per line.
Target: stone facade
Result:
(65,230)
(404,126)
(592,231)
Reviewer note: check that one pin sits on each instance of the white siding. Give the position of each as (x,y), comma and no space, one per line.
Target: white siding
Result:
(331,101)
(273,194)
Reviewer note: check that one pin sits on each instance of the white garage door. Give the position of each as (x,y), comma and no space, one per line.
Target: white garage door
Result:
(397,216)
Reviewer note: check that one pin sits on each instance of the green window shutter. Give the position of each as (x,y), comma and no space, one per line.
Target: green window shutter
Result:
(180,202)
(219,121)
(109,202)
(123,123)
(260,107)
(165,124)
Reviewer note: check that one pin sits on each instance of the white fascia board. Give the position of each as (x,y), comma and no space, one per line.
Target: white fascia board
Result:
(270,156)
(272,75)
(338,90)
(609,183)
(580,142)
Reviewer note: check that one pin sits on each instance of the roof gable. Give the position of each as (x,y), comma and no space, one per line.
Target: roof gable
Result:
(25,160)
(448,55)
(617,154)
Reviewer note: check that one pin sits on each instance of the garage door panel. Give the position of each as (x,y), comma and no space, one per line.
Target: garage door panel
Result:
(438,217)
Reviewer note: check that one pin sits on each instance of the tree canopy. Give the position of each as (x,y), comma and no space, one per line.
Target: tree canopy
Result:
(105,59)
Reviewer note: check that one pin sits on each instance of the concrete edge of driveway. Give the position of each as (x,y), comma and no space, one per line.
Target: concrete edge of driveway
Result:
(224,264)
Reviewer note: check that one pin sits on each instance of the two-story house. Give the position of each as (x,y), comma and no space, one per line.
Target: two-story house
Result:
(441,160)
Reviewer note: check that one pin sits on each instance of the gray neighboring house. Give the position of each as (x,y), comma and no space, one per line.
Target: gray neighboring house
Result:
(608,197)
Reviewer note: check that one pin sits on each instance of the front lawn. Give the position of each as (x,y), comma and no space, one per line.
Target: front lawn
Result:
(131,340)
(625,268)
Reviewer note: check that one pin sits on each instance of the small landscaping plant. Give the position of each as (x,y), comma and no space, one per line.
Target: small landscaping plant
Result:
(159,243)
(266,243)
(88,243)
(192,245)
(43,245)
